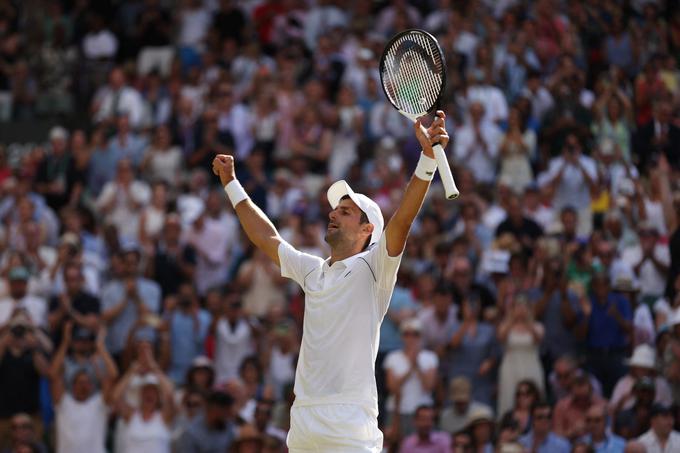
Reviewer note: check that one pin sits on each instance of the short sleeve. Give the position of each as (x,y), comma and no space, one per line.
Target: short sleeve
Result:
(384,265)
(295,264)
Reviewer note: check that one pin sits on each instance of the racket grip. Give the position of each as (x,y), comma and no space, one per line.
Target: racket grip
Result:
(450,188)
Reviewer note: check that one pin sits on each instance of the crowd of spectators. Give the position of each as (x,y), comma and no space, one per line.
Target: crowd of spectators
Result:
(539,312)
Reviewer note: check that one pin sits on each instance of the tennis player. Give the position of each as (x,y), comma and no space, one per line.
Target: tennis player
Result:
(346,298)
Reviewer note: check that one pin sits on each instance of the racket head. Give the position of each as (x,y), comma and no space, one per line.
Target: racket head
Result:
(413,72)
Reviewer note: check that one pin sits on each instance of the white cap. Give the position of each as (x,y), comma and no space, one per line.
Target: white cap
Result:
(148,379)
(369,207)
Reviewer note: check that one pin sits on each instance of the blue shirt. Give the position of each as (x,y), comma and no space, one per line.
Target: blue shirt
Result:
(603,330)
(133,149)
(612,444)
(119,328)
(186,339)
(390,339)
(552,444)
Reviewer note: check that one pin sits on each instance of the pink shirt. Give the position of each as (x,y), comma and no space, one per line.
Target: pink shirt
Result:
(439,442)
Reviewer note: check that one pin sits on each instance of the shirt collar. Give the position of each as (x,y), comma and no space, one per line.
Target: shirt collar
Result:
(346,263)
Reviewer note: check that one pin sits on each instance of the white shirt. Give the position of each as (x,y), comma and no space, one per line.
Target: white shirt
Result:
(152,436)
(231,347)
(652,445)
(127,100)
(625,386)
(652,282)
(102,44)
(81,425)
(493,100)
(36,307)
(412,392)
(470,154)
(194,24)
(344,306)
(572,189)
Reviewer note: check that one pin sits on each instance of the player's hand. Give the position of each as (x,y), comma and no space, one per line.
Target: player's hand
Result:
(223,166)
(436,133)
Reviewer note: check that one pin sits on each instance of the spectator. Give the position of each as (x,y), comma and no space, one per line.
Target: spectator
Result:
(23,360)
(22,435)
(438,320)
(173,261)
(234,337)
(606,326)
(569,419)
(557,308)
(262,283)
(152,217)
(477,145)
(473,352)
(541,438)
(81,409)
(573,178)
(126,143)
(641,364)
(649,260)
(521,336)
(126,300)
(189,325)
(517,150)
(163,160)
(52,172)
(526,395)
(425,438)
(456,417)
(73,304)
(212,431)
(148,426)
(19,300)
(633,422)
(481,429)
(263,424)
(411,372)
(154,26)
(597,436)
(121,200)
(118,99)
(661,438)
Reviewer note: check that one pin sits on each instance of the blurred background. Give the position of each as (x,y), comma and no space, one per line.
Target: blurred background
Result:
(540,309)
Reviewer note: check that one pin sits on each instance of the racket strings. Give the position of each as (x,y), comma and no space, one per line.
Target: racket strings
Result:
(412,73)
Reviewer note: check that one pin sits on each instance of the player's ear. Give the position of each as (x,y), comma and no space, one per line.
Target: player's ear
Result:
(368,228)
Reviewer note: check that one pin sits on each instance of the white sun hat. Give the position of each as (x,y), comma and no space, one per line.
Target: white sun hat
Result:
(643,357)
(340,188)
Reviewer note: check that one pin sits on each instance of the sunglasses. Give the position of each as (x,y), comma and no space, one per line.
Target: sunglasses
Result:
(542,416)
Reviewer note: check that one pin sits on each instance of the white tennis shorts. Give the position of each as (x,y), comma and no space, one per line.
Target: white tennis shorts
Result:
(346,428)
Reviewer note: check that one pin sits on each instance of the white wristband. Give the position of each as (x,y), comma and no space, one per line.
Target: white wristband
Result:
(425,168)
(235,192)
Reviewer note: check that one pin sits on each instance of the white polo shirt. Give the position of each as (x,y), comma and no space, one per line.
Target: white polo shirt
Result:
(344,306)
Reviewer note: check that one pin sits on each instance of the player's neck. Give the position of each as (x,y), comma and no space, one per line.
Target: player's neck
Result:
(343,251)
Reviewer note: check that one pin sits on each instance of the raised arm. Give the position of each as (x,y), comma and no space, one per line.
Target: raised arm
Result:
(256,224)
(400,224)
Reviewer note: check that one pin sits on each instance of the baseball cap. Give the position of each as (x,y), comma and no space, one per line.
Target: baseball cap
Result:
(411,325)
(58,133)
(460,389)
(340,188)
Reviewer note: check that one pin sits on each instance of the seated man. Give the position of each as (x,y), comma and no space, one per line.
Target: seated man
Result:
(541,439)
(425,436)
(456,416)
(570,411)
(661,438)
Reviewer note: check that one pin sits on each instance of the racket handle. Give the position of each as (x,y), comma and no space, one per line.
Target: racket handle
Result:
(450,188)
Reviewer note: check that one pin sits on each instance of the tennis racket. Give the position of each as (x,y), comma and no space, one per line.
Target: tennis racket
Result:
(413,76)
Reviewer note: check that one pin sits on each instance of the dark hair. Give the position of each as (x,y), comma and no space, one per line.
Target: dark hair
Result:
(421,408)
(219,398)
(533,388)
(540,404)
(251,360)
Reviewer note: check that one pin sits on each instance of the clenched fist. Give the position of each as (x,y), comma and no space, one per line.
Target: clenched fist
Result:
(223,166)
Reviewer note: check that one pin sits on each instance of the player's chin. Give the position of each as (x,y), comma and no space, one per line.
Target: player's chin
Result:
(332,235)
